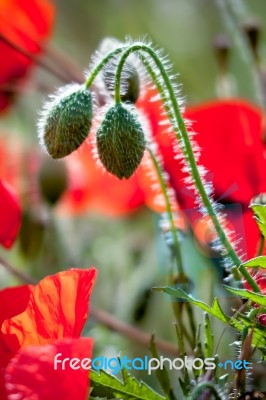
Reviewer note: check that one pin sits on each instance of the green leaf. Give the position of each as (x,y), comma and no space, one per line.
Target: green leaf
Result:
(258,262)
(259,339)
(214,310)
(184,384)
(106,385)
(208,343)
(246,294)
(260,216)
(161,374)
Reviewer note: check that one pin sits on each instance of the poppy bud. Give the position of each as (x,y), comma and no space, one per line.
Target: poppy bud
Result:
(120,141)
(52,180)
(66,121)
(222,47)
(252,29)
(130,77)
(262,319)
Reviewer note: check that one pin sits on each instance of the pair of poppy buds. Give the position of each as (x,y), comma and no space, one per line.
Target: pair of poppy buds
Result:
(120,141)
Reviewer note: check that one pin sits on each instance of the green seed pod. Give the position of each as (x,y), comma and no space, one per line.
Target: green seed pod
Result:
(120,141)
(53,180)
(130,77)
(66,121)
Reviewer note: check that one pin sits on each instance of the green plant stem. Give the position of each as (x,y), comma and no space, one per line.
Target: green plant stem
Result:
(261,246)
(102,64)
(182,136)
(202,386)
(169,211)
(178,255)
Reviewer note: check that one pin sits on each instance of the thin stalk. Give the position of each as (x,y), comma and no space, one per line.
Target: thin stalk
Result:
(169,211)
(54,71)
(261,246)
(179,262)
(229,13)
(22,276)
(175,115)
(102,64)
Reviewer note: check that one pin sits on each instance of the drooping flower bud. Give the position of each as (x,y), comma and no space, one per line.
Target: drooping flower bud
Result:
(52,180)
(130,87)
(222,48)
(252,29)
(66,121)
(120,141)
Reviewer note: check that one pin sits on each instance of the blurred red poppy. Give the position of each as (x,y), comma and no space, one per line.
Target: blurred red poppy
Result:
(10,215)
(26,24)
(48,320)
(93,189)
(230,135)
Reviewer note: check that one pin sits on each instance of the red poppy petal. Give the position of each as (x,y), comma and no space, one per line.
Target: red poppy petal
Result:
(9,304)
(25,24)
(10,216)
(58,308)
(230,135)
(31,374)
(92,189)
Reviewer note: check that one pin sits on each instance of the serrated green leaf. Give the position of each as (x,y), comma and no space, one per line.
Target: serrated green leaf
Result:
(246,294)
(258,262)
(106,385)
(259,339)
(214,310)
(260,217)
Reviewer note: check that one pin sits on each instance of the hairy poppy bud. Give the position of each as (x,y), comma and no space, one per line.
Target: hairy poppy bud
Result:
(52,180)
(120,141)
(130,77)
(66,121)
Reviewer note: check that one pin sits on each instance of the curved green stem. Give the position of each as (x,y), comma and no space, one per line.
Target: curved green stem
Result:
(180,130)
(178,255)
(202,386)
(163,185)
(102,64)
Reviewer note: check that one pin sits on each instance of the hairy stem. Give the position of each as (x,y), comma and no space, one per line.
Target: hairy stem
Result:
(102,64)
(182,136)
(169,211)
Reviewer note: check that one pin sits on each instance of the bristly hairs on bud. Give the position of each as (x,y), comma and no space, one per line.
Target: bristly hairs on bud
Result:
(132,76)
(120,140)
(65,120)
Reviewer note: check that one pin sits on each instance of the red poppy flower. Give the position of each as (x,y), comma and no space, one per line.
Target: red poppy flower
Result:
(230,136)
(48,320)
(26,24)
(10,215)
